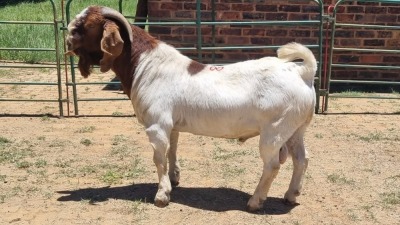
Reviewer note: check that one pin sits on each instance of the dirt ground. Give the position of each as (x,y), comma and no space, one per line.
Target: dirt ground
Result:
(98,169)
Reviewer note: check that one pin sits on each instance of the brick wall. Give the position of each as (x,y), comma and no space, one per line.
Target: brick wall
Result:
(281,10)
(368,13)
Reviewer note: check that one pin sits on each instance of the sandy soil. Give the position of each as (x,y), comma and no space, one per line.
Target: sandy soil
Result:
(97,169)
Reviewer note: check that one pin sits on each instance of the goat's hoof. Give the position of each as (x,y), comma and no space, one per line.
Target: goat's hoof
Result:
(160,203)
(174,183)
(254,206)
(290,198)
(252,209)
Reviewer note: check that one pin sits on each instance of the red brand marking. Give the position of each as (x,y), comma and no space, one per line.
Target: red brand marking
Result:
(217,68)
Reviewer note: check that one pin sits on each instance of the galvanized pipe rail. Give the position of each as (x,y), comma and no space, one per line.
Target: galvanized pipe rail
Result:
(200,48)
(333,49)
(56,66)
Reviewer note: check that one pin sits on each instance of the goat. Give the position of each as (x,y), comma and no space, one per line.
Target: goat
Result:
(271,97)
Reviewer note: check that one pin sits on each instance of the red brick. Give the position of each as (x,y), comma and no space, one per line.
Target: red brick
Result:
(221,6)
(385,34)
(276,32)
(276,16)
(386,18)
(171,6)
(235,40)
(365,34)
(230,31)
(289,8)
(185,14)
(299,33)
(183,30)
(254,32)
(253,16)
(370,58)
(355,9)
(345,18)
(299,16)
(229,15)
(261,41)
(266,8)
(193,6)
(243,7)
(374,42)
(160,14)
(350,42)
(394,10)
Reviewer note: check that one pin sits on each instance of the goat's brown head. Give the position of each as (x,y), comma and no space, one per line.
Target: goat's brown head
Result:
(95,36)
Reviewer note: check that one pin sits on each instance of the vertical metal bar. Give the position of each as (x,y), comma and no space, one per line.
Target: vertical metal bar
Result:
(120,6)
(58,62)
(213,30)
(65,58)
(71,60)
(330,56)
(318,81)
(198,26)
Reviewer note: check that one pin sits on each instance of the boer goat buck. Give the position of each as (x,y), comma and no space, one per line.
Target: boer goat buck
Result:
(272,97)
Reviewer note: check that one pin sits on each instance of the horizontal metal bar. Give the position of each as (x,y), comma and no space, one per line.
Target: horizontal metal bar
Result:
(366,82)
(281,23)
(367,50)
(367,26)
(100,99)
(26,66)
(93,83)
(355,96)
(27,22)
(376,1)
(27,83)
(31,100)
(365,66)
(29,49)
(239,47)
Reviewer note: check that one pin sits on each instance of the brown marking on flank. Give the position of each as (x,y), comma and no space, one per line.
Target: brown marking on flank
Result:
(195,67)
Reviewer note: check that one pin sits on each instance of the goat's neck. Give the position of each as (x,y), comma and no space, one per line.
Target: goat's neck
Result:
(125,65)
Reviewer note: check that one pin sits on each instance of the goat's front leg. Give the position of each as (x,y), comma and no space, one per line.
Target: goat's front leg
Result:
(159,140)
(174,168)
(270,156)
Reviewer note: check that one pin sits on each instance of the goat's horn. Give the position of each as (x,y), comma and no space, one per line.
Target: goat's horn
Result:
(114,14)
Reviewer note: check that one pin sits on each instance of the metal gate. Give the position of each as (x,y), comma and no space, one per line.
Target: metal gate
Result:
(13,81)
(333,49)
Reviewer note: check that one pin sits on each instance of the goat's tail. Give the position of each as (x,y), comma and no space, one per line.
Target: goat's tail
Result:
(293,51)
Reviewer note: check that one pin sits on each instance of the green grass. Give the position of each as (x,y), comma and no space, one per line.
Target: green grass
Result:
(391,198)
(41,36)
(339,179)
(86,129)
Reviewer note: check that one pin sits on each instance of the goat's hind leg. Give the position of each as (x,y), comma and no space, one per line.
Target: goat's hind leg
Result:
(300,162)
(174,168)
(159,140)
(269,151)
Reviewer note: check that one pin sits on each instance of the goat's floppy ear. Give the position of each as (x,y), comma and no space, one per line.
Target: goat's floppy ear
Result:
(111,45)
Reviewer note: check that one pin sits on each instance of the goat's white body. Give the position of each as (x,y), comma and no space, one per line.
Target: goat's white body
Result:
(233,101)
(270,97)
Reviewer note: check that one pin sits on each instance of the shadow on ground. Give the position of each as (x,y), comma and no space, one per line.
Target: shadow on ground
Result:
(205,198)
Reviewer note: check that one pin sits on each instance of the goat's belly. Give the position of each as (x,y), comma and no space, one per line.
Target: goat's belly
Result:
(221,127)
